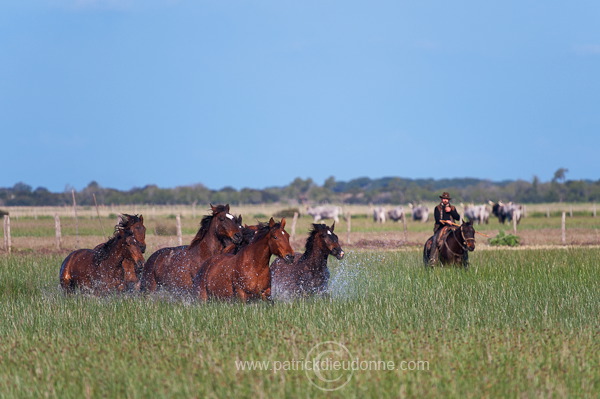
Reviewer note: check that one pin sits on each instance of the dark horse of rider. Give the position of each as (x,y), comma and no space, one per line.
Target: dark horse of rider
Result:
(442,213)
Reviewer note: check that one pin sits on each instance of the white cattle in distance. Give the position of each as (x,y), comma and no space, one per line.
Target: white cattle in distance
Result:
(323,212)
(379,214)
(507,212)
(396,214)
(477,213)
(420,212)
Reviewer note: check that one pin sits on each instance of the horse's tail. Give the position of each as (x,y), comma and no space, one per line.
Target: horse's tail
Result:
(427,251)
(65,277)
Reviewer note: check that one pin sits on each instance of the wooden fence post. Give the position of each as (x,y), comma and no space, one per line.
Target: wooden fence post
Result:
(405,228)
(179,235)
(349,218)
(514,225)
(563,229)
(57,230)
(294,221)
(548,212)
(7,240)
(76,219)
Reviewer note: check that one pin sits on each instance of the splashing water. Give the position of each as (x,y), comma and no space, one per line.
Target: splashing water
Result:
(351,277)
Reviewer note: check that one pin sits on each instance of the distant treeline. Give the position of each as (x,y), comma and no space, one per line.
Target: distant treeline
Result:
(388,190)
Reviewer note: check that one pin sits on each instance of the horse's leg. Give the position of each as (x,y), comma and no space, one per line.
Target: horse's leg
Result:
(149,281)
(434,251)
(241,294)
(465,260)
(266,295)
(202,292)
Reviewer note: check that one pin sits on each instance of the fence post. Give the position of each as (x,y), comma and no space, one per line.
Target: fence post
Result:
(594,212)
(514,225)
(563,229)
(294,221)
(179,236)
(571,211)
(7,241)
(405,228)
(548,212)
(349,218)
(76,219)
(57,230)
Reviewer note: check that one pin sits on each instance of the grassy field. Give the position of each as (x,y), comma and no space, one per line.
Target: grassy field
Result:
(517,324)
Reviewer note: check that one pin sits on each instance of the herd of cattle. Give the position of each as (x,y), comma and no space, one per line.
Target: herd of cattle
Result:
(505,212)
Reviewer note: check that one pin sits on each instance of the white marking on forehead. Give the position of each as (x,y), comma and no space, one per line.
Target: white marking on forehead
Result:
(230,216)
(329,232)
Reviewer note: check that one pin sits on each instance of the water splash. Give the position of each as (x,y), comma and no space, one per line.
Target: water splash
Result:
(351,277)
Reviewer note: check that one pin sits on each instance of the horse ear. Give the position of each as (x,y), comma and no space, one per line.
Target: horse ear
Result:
(333,227)
(142,218)
(227,208)
(271,222)
(282,223)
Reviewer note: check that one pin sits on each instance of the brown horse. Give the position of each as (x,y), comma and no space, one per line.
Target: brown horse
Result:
(109,267)
(135,224)
(174,268)
(308,274)
(248,233)
(245,275)
(455,245)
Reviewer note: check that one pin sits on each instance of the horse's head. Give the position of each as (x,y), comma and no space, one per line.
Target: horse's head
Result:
(227,227)
(323,235)
(134,224)
(132,256)
(279,241)
(467,232)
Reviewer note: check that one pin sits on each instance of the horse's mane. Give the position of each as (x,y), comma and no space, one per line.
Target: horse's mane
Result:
(263,230)
(310,241)
(248,232)
(102,251)
(205,224)
(126,221)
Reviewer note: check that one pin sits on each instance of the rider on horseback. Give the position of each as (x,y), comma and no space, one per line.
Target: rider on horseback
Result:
(443,213)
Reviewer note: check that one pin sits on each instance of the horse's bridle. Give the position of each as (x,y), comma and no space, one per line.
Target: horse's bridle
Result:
(464,247)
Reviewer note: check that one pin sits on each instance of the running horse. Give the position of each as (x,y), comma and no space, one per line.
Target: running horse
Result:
(245,275)
(455,243)
(173,268)
(111,266)
(308,274)
(134,223)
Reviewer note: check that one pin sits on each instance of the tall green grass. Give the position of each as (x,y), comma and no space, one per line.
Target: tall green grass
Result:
(517,323)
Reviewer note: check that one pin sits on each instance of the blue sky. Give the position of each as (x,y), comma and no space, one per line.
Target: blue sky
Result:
(256,93)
